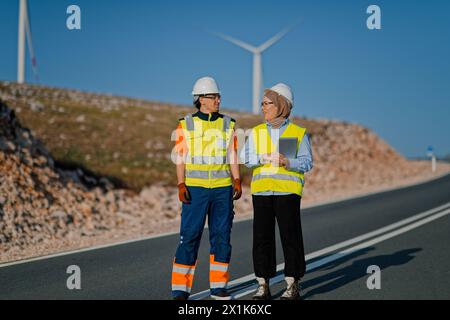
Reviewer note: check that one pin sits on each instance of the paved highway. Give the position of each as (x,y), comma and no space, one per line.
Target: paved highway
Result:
(405,232)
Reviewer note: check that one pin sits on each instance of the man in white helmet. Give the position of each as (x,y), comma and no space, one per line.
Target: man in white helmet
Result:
(277,186)
(208,182)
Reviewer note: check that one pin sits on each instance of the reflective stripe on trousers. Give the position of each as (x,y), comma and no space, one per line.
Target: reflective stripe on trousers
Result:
(182,277)
(218,273)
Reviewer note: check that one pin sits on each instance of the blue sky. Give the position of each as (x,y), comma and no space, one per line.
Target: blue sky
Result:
(395,81)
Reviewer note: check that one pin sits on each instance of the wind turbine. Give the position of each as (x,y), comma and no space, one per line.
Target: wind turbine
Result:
(257,60)
(24,32)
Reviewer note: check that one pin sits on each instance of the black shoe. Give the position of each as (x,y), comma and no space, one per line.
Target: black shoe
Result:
(180,297)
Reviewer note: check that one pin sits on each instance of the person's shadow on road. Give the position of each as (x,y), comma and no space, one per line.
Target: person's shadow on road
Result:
(355,271)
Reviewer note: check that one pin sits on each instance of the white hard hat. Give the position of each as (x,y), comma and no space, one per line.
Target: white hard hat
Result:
(285,91)
(205,85)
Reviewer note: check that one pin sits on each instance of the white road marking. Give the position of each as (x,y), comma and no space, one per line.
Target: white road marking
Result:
(409,224)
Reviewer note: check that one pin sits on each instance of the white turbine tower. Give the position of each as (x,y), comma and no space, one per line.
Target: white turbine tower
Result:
(257,61)
(24,32)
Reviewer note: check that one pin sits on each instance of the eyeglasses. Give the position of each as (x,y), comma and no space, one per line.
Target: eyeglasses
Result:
(266,104)
(212,96)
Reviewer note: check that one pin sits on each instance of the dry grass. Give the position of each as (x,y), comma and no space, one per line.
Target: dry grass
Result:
(130,143)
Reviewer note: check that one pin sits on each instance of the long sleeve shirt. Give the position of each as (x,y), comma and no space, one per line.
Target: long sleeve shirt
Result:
(302,163)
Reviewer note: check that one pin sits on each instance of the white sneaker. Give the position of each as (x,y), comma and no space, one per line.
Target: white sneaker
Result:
(263,291)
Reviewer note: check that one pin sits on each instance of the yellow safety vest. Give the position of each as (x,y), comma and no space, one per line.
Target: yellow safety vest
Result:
(272,178)
(207,161)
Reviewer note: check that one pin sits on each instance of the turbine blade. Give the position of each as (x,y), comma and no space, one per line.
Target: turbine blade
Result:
(235,41)
(30,42)
(276,37)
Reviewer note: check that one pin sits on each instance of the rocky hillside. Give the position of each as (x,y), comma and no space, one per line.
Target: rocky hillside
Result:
(41,203)
(101,168)
(128,140)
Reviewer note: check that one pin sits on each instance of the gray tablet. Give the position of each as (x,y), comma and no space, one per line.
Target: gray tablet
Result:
(288,147)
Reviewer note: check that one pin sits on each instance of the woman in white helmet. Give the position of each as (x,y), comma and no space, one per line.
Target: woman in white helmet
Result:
(276,187)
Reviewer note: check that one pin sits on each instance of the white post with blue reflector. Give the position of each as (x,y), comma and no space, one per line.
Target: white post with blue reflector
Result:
(430,153)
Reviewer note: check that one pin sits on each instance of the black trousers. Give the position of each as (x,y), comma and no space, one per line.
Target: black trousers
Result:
(286,210)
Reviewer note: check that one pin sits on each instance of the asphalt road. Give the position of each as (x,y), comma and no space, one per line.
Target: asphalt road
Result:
(414,264)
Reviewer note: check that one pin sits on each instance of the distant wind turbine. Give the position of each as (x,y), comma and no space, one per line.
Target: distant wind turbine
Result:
(257,60)
(24,32)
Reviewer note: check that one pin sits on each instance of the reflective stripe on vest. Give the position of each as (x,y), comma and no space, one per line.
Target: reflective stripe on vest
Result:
(226,123)
(200,174)
(189,122)
(271,178)
(278,177)
(209,160)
